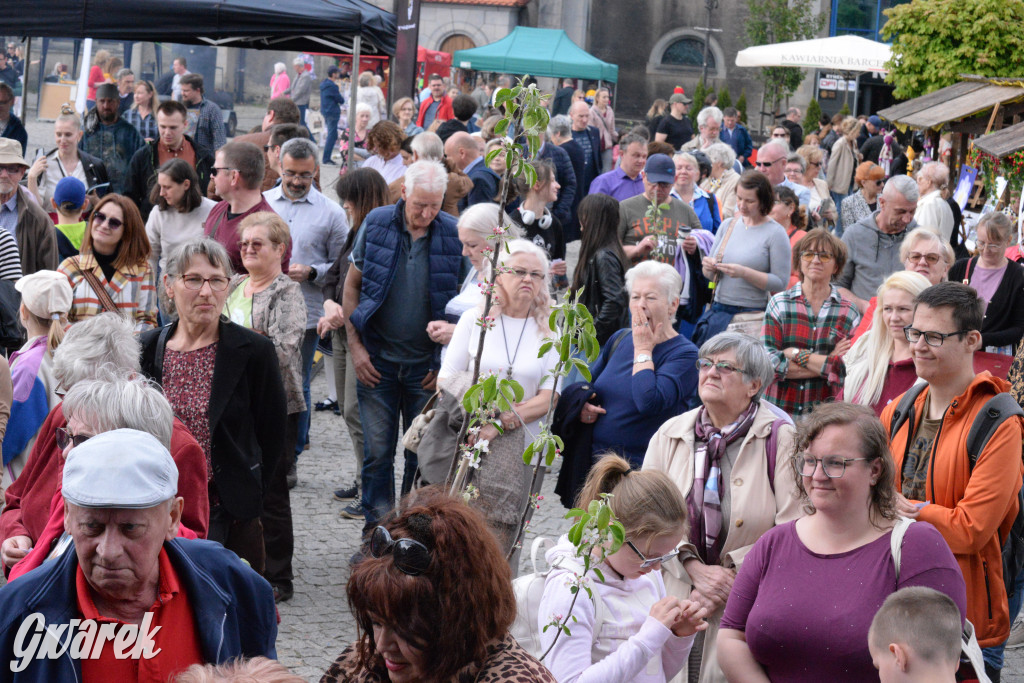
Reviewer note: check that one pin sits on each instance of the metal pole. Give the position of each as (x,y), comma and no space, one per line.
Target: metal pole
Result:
(710,5)
(24,81)
(353,91)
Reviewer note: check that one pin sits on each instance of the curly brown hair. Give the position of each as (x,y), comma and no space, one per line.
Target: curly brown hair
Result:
(453,610)
(874,445)
(385,137)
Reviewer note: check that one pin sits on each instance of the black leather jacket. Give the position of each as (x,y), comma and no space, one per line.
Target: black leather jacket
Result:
(604,294)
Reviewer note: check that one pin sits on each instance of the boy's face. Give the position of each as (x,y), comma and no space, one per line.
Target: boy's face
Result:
(889,670)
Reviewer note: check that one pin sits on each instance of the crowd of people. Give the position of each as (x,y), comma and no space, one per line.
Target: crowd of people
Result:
(787,380)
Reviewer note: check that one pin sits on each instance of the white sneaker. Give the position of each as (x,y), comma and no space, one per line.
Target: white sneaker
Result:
(1016,639)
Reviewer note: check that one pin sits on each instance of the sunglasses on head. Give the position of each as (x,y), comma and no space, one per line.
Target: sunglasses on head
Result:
(100,217)
(409,555)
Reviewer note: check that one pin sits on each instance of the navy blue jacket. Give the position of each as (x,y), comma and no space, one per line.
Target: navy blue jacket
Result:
(15,130)
(566,177)
(485,186)
(331,99)
(384,226)
(575,152)
(739,140)
(233,608)
(583,187)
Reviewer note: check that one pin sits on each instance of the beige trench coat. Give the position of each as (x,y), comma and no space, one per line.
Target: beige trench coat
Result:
(754,508)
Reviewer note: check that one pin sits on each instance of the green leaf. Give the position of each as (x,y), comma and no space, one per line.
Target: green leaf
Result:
(528,453)
(599,573)
(618,536)
(575,512)
(493,153)
(583,368)
(503,95)
(544,348)
(531,175)
(549,456)
(500,127)
(565,630)
(516,90)
(575,533)
(603,517)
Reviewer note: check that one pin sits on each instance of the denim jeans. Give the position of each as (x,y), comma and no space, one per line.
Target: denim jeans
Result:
(838,199)
(331,139)
(308,351)
(398,394)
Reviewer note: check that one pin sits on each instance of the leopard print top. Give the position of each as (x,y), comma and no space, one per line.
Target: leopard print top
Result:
(506,662)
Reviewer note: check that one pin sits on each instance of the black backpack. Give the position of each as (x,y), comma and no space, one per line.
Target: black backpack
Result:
(996,410)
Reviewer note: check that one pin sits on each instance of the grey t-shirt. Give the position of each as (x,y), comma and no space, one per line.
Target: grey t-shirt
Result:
(765,248)
(872,256)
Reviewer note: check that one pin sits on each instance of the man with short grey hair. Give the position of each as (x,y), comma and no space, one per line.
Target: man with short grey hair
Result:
(771,160)
(709,127)
(406,264)
(427,146)
(318,229)
(560,134)
(874,242)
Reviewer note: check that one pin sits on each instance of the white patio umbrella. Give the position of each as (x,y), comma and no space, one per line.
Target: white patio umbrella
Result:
(839,53)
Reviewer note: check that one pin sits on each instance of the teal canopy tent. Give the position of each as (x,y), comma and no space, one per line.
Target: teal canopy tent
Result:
(537,52)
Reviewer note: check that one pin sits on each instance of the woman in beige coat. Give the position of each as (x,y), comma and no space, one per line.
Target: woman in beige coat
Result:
(842,161)
(726,441)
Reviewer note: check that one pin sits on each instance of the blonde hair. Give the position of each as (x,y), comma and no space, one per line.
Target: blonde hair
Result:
(647,502)
(542,302)
(257,669)
(101,59)
(867,363)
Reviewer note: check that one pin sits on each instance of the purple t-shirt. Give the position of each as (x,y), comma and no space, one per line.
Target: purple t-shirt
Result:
(615,183)
(806,616)
(986,281)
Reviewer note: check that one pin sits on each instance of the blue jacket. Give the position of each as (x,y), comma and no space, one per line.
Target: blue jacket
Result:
(485,186)
(331,99)
(233,608)
(583,186)
(384,226)
(15,130)
(566,177)
(739,140)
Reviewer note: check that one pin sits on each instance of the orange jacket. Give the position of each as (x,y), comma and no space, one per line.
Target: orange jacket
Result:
(972,511)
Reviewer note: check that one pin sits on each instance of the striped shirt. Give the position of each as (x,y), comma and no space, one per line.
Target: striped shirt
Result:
(10,258)
(133,291)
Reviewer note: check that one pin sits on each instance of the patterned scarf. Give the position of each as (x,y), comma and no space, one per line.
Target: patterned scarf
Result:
(704,504)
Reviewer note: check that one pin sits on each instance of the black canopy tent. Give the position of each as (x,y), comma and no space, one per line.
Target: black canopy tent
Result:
(350,26)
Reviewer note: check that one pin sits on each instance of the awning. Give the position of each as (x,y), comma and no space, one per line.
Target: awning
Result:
(839,53)
(537,52)
(1003,142)
(953,103)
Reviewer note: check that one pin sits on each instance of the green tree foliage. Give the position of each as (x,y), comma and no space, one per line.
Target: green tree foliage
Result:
(724,98)
(782,21)
(936,40)
(812,116)
(845,111)
(699,93)
(741,106)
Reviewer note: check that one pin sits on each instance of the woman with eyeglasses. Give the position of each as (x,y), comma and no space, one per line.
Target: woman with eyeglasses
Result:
(998,281)
(632,630)
(842,161)
(803,601)
(868,179)
(433,602)
(781,133)
(224,382)
(809,327)
(723,457)
(404,112)
(822,210)
(879,366)
(520,310)
(112,272)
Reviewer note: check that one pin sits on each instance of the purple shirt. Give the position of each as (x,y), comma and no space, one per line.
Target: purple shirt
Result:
(806,616)
(616,183)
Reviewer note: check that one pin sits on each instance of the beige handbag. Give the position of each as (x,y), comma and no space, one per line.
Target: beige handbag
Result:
(412,437)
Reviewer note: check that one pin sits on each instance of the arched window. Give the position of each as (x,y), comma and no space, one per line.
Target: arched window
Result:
(687,52)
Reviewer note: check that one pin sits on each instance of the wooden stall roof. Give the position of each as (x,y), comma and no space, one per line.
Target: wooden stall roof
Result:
(1003,142)
(954,103)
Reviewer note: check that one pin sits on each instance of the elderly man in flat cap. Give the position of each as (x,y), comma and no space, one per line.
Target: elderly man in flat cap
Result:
(132,602)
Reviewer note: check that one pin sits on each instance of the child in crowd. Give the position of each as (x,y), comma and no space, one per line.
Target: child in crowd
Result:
(631,631)
(70,202)
(915,637)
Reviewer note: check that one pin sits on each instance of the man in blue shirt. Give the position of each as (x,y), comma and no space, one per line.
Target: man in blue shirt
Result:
(331,100)
(406,264)
(735,135)
(624,181)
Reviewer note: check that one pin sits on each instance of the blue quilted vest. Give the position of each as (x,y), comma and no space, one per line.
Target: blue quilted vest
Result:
(384,227)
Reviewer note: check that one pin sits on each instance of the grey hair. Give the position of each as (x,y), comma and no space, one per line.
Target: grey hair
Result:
(363,106)
(428,146)
(431,176)
(750,353)
(795,158)
(709,113)
(926,234)
(298,60)
(117,401)
(212,250)
(560,125)
(104,340)
(937,174)
(122,73)
(300,149)
(279,67)
(903,184)
(631,139)
(721,153)
(669,279)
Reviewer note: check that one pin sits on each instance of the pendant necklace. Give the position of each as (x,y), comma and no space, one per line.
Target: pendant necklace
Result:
(512,360)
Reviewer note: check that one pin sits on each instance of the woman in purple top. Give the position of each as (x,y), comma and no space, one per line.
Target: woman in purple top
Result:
(803,600)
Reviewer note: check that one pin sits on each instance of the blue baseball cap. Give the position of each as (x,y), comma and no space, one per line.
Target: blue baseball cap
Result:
(660,169)
(69,190)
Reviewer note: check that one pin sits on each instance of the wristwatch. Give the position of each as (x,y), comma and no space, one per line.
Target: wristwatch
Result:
(312,274)
(643,358)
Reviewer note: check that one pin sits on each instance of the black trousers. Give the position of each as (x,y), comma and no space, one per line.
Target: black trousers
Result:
(278,534)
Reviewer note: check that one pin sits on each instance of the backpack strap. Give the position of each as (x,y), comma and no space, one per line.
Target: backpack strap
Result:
(994,413)
(905,410)
(896,542)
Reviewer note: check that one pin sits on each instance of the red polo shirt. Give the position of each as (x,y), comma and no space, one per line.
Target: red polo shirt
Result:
(177,640)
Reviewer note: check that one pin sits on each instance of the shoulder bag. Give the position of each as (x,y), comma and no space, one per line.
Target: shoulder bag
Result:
(712,322)
(98,288)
